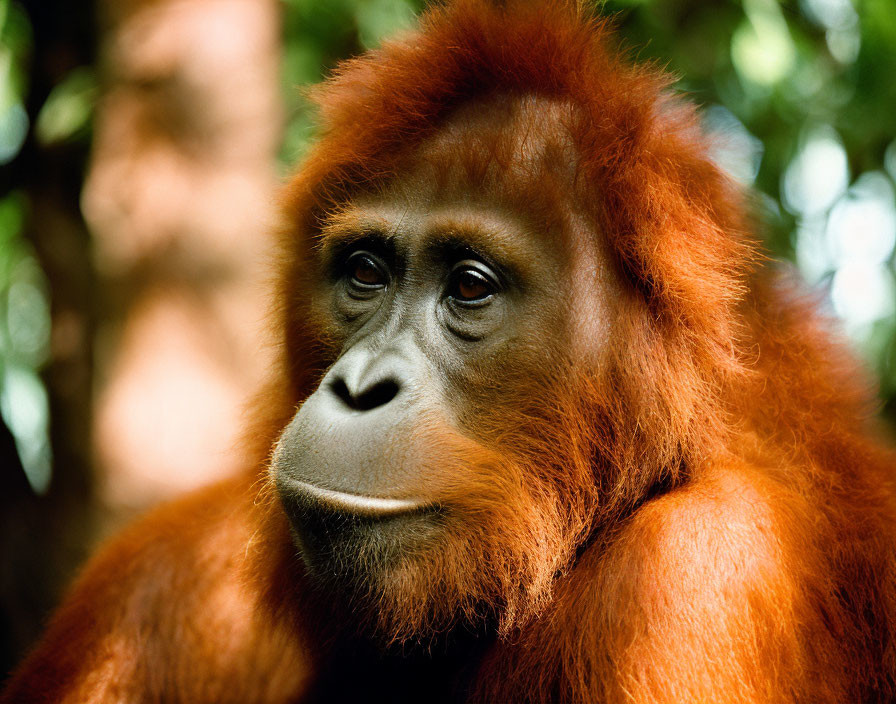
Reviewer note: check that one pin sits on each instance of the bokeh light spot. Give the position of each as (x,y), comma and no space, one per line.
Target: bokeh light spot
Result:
(862,292)
(26,412)
(831,14)
(761,48)
(844,43)
(890,159)
(13,130)
(813,255)
(818,174)
(734,149)
(862,225)
(68,108)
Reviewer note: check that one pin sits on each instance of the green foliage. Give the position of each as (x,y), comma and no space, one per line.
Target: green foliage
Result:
(15,49)
(67,111)
(813,81)
(316,36)
(24,343)
(24,294)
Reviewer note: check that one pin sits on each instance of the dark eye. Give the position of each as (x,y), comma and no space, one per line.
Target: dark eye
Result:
(470,284)
(366,272)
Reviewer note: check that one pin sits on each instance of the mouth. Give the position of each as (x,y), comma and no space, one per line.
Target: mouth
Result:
(361,506)
(341,534)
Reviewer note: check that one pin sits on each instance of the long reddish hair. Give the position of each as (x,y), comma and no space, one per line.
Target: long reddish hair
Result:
(715,357)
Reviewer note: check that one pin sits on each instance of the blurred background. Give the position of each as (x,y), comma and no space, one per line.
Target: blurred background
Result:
(141,145)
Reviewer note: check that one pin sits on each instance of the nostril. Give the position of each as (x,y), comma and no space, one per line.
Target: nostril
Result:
(377,395)
(341,390)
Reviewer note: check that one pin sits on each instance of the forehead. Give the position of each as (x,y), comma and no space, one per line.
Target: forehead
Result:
(497,166)
(513,152)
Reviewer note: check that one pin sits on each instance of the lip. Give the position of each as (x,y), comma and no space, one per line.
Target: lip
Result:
(356,504)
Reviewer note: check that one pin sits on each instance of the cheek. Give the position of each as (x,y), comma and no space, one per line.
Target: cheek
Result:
(335,325)
(496,391)
(594,293)
(475,324)
(350,310)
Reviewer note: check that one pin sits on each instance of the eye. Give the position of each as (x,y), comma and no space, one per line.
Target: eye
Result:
(365,272)
(471,283)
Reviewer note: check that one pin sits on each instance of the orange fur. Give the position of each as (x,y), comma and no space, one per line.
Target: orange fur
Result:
(705,514)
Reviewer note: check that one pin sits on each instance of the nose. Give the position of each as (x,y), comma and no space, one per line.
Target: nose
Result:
(363,382)
(366,398)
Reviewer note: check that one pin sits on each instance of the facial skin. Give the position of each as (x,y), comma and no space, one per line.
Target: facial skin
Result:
(427,301)
(450,307)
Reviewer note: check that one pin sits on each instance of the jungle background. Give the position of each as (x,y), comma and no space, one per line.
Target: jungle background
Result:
(141,145)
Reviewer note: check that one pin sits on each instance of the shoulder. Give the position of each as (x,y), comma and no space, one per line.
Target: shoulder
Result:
(724,535)
(176,603)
